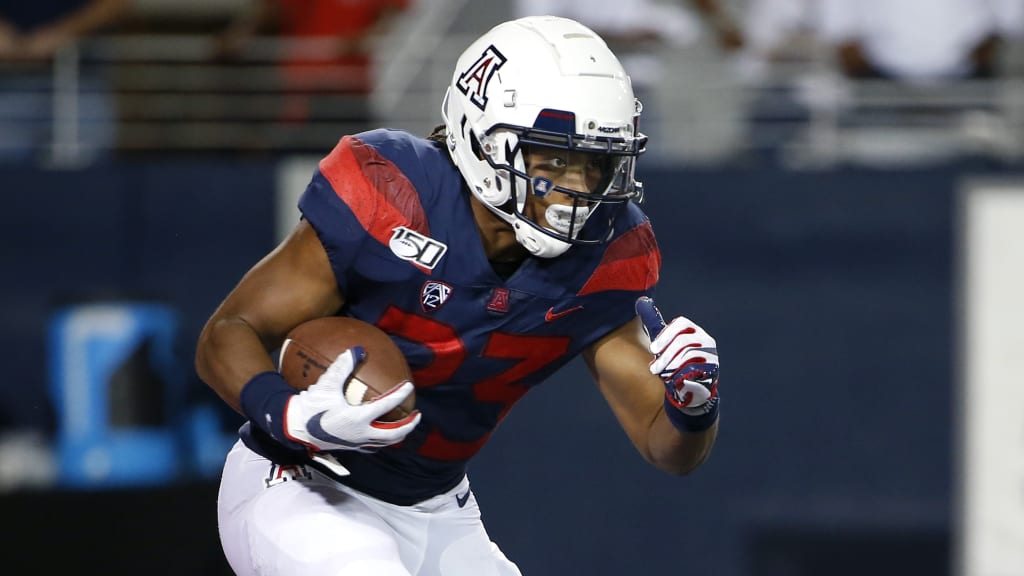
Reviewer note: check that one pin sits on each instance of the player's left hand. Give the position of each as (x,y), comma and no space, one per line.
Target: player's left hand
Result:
(685,358)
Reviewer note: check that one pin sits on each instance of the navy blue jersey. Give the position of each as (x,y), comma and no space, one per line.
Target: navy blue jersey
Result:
(395,220)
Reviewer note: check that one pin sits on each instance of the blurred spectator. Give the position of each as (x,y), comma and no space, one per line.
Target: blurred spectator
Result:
(635,29)
(782,45)
(315,74)
(777,31)
(31,36)
(915,43)
(918,41)
(641,32)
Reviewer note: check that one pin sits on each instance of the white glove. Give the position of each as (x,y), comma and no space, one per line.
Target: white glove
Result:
(322,419)
(685,358)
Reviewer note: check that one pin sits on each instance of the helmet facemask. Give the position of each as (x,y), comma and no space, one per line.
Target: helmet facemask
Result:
(610,186)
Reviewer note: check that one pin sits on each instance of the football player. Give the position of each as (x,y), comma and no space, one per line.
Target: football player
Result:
(493,252)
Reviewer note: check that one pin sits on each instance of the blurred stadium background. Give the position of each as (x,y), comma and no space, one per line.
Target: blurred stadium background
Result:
(856,247)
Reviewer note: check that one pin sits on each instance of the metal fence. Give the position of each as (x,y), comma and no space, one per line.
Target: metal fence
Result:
(122,95)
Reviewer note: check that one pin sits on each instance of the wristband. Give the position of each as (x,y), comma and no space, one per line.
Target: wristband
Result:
(263,400)
(693,423)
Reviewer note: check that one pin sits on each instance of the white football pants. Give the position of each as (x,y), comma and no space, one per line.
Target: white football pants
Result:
(294,521)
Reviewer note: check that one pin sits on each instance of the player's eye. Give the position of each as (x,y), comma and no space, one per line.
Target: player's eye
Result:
(557,162)
(549,163)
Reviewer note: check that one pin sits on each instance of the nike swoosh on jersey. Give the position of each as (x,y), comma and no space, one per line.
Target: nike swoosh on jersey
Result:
(462,499)
(551,315)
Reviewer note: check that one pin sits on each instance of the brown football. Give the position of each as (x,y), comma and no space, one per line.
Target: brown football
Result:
(311,346)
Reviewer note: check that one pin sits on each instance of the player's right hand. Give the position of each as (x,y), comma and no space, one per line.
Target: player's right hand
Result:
(322,419)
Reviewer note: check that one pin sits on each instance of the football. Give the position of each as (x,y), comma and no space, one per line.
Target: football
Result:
(311,346)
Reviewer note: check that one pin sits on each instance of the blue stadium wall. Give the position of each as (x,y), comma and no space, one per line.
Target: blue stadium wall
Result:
(831,295)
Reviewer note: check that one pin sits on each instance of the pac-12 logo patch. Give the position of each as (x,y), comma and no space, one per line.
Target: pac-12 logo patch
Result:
(434,294)
(415,247)
(474,80)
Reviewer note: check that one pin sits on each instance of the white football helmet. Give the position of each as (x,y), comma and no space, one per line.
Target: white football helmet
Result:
(544,81)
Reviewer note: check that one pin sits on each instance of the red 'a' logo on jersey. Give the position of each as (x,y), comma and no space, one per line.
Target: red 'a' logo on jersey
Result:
(473,81)
(499,300)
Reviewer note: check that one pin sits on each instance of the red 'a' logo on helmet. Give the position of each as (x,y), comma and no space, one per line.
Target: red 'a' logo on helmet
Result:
(473,81)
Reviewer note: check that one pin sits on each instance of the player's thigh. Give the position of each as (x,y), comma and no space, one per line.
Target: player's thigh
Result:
(473,554)
(302,524)
(239,487)
(311,528)
(459,545)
